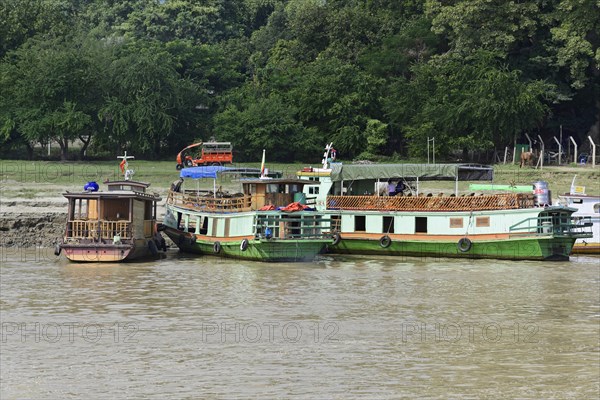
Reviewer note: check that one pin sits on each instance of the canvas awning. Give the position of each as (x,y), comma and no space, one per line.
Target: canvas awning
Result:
(471,172)
(209,171)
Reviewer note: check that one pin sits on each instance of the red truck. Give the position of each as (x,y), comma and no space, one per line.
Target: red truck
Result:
(209,153)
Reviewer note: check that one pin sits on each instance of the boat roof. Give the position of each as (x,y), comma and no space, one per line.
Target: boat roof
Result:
(462,172)
(581,196)
(117,189)
(276,181)
(117,194)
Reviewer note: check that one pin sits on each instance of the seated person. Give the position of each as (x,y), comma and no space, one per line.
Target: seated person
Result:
(391,188)
(400,187)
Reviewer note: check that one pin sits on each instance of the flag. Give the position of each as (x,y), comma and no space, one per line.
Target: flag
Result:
(123,165)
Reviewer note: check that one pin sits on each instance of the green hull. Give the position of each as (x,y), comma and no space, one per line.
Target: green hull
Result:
(535,248)
(272,250)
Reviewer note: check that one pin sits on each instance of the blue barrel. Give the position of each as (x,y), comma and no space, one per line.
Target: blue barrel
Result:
(91,187)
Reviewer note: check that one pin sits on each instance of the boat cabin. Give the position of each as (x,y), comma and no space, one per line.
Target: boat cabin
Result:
(123,212)
(275,192)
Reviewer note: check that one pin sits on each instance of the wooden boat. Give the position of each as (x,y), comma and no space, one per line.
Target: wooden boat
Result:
(513,226)
(116,224)
(588,207)
(265,221)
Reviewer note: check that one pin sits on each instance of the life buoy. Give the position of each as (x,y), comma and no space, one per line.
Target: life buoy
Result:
(152,247)
(385,241)
(464,245)
(217,247)
(244,245)
(337,238)
(57,250)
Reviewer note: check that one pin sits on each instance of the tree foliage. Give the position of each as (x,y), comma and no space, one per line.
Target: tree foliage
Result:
(376,77)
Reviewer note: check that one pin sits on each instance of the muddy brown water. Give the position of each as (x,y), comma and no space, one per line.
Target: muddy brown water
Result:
(346,327)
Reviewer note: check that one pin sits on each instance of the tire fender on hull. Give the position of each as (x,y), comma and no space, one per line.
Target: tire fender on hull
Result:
(337,238)
(385,241)
(464,245)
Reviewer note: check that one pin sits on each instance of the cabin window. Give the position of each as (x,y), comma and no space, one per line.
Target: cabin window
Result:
(204,228)
(388,224)
(313,190)
(250,188)
(597,208)
(85,209)
(360,224)
(275,188)
(482,222)
(295,188)
(191,223)
(420,224)
(456,222)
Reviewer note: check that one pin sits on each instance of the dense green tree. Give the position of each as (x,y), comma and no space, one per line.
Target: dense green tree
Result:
(291,75)
(50,88)
(471,103)
(266,122)
(146,96)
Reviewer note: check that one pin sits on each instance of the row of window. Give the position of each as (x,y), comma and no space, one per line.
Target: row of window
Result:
(360,224)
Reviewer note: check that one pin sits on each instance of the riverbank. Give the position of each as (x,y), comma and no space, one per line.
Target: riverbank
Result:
(33,210)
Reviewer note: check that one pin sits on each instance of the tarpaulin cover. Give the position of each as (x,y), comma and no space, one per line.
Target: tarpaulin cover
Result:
(209,171)
(296,206)
(345,172)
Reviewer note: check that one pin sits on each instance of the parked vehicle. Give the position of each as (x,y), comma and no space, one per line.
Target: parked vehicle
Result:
(209,153)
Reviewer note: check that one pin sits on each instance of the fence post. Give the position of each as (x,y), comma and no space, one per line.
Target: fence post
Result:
(593,151)
(574,145)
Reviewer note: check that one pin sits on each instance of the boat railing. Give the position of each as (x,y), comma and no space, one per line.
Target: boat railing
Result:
(98,229)
(209,202)
(551,225)
(432,203)
(280,225)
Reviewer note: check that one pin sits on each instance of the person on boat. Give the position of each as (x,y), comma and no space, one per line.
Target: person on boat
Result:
(391,188)
(176,186)
(400,187)
(268,233)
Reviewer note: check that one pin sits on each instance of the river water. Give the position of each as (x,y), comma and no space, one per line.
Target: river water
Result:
(340,328)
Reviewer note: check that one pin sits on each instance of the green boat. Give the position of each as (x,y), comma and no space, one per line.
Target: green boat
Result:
(266,221)
(368,217)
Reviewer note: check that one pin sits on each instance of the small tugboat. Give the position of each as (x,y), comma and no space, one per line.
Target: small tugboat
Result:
(118,224)
(588,207)
(379,209)
(266,221)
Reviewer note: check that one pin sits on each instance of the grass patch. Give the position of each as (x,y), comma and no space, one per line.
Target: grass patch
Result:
(44,175)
